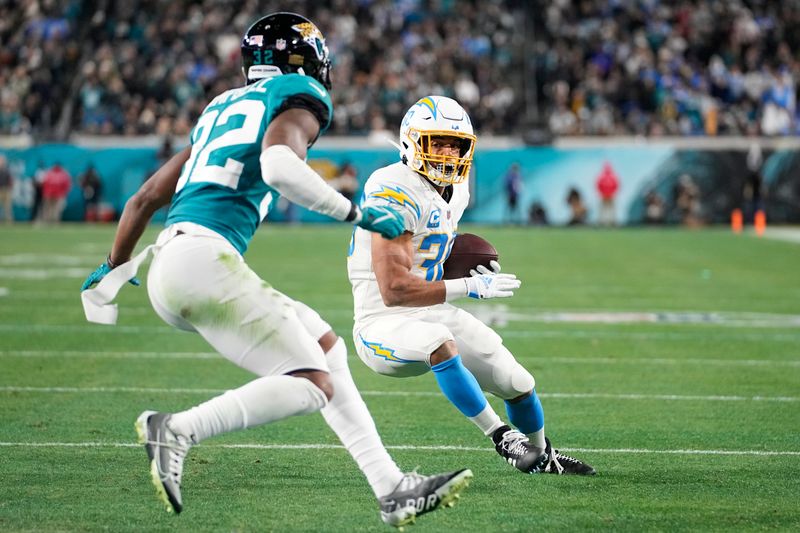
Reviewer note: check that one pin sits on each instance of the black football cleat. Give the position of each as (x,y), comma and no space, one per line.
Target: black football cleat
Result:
(517,450)
(166,451)
(416,495)
(562,464)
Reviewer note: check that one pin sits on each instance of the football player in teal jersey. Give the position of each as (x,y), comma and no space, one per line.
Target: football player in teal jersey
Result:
(249,145)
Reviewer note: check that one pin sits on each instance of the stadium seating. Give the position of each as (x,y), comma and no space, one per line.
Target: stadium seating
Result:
(597,67)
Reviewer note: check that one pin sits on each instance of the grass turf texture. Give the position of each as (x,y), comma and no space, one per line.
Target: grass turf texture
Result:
(693,383)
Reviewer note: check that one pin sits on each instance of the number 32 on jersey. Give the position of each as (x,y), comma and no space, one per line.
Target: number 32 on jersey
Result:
(435,248)
(239,123)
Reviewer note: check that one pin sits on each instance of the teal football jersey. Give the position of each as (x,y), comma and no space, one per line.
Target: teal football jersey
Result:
(220,186)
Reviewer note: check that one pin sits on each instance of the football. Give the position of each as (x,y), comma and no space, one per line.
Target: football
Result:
(468,252)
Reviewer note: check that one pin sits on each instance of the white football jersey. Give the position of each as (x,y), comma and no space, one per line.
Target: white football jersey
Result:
(432,219)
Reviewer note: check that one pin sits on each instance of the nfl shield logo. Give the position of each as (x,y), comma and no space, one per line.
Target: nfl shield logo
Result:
(280,44)
(255,40)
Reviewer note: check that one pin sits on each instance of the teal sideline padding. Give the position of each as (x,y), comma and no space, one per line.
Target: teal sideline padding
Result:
(548,173)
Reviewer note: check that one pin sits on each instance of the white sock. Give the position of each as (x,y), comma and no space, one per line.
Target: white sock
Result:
(537,439)
(263,400)
(487,420)
(347,415)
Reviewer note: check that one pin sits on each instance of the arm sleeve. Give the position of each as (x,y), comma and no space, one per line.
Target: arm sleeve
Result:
(282,170)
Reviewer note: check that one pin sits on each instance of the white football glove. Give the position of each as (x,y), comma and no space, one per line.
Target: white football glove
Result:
(480,269)
(486,283)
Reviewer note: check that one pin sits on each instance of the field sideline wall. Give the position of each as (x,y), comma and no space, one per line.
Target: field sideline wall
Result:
(719,169)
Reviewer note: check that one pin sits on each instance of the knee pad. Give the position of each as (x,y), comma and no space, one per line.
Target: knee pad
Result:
(312,396)
(313,323)
(511,379)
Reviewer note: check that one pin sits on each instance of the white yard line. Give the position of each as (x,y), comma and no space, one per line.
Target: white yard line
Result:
(648,335)
(43,273)
(85,328)
(51,260)
(787,234)
(501,315)
(401,447)
(509,333)
(587,360)
(558,395)
(113,390)
(679,397)
(111,355)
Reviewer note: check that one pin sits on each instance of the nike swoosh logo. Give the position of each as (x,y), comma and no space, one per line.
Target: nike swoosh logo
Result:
(381,219)
(319,90)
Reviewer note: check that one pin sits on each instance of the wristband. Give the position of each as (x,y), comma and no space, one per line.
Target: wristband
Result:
(354,213)
(455,288)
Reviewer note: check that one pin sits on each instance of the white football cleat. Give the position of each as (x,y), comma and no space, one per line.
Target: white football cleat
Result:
(166,451)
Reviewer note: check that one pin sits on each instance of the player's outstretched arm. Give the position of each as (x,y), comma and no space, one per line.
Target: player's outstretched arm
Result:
(154,193)
(283,168)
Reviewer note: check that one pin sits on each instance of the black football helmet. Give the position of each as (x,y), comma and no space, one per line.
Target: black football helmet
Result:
(285,42)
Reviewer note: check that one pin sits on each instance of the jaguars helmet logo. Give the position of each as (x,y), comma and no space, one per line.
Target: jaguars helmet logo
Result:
(311,34)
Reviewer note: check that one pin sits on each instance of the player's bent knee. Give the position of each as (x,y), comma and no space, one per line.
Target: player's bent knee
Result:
(319,378)
(311,320)
(443,353)
(328,341)
(516,383)
(335,353)
(510,380)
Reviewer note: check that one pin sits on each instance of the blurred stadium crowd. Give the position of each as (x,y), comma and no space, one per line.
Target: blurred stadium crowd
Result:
(582,67)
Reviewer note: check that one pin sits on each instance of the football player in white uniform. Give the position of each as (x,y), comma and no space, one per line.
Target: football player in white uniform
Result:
(404,323)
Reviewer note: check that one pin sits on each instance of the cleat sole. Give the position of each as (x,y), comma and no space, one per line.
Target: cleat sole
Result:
(455,487)
(407,521)
(141,431)
(160,490)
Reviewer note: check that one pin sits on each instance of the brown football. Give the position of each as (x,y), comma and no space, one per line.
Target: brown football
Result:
(468,252)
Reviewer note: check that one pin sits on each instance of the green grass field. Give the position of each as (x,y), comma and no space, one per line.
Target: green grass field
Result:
(669,360)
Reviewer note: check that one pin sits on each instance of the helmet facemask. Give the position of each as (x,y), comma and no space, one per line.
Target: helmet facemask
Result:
(441,169)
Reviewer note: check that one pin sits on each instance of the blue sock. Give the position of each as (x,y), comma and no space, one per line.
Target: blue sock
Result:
(527,415)
(460,386)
